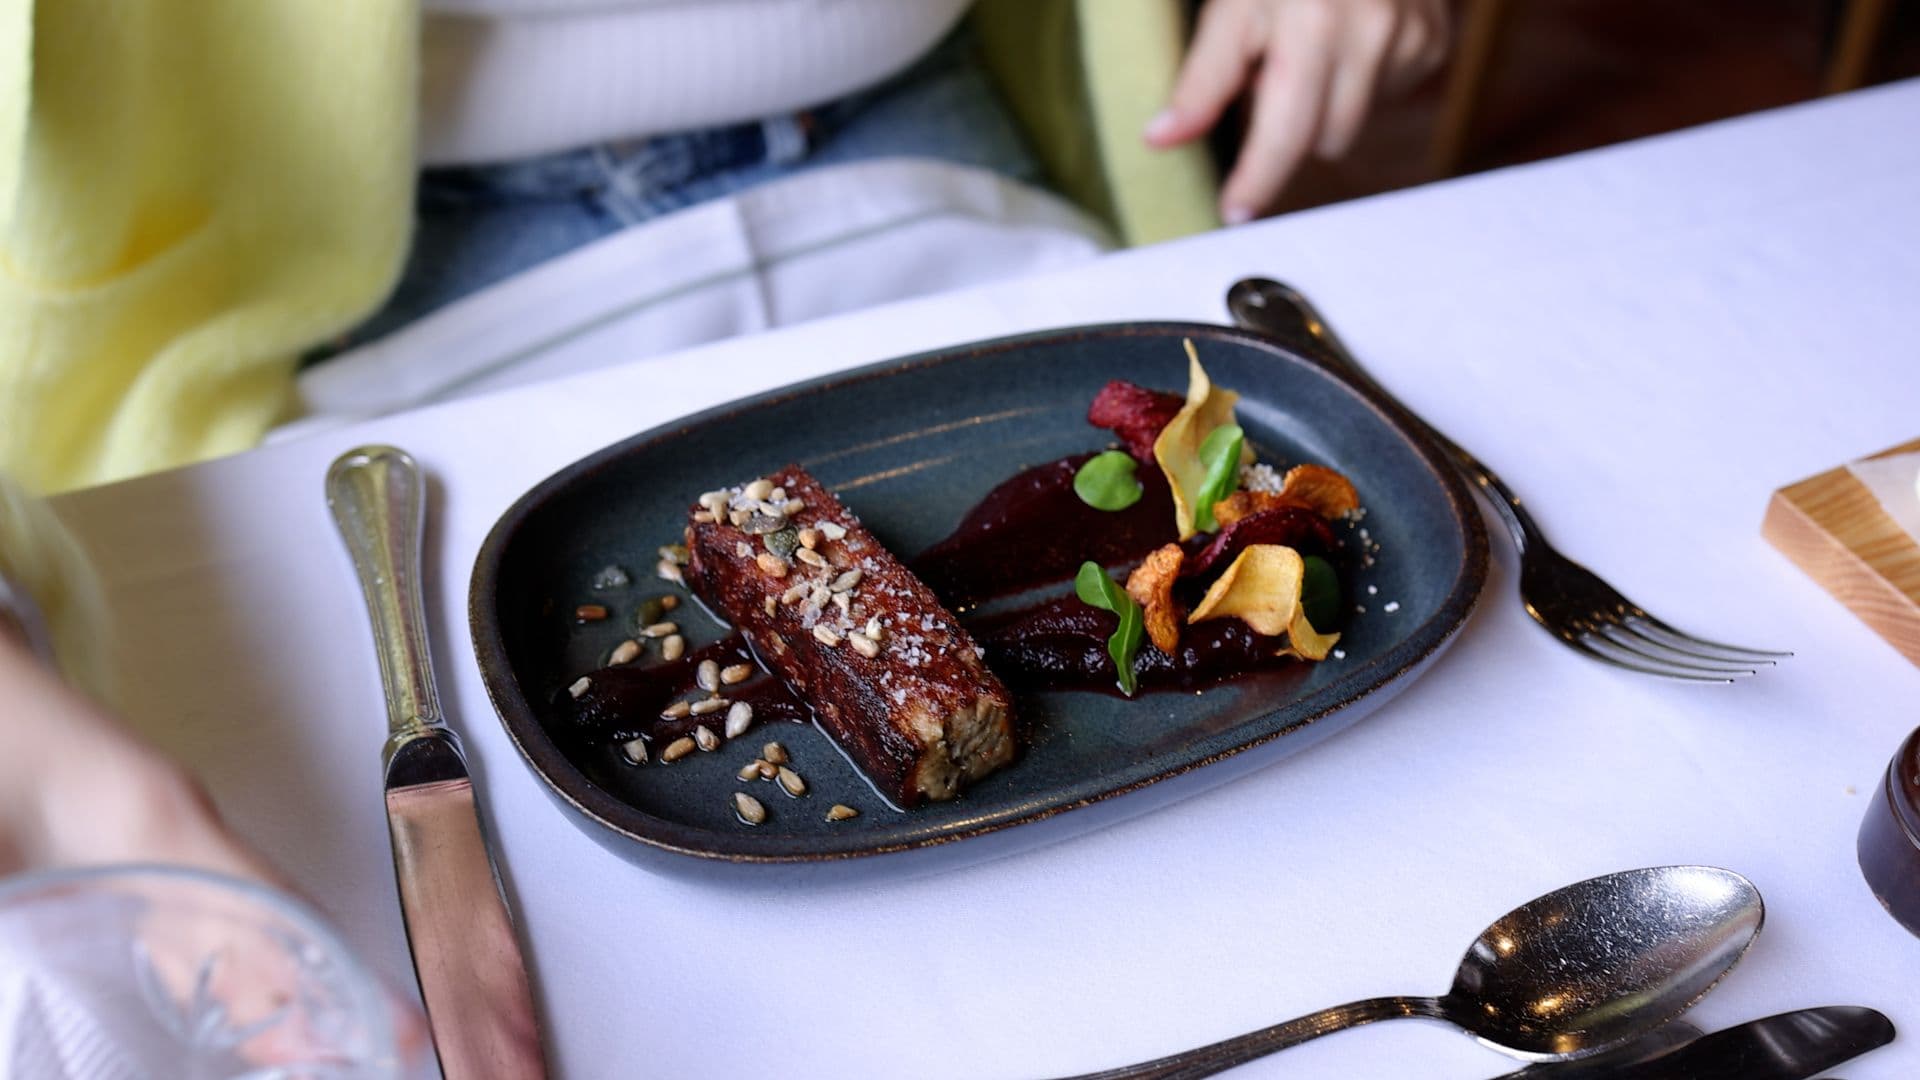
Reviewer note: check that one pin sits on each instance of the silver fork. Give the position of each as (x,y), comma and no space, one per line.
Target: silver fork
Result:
(1584,612)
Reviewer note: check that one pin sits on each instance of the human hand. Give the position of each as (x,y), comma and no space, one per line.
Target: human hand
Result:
(78,788)
(1313,68)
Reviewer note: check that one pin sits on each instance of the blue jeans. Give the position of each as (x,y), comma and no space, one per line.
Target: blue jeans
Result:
(475,226)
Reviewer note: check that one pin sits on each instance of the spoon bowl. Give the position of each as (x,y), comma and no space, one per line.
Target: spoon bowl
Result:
(1604,961)
(1582,970)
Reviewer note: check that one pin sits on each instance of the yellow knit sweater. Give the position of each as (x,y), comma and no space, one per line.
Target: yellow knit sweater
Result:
(191,192)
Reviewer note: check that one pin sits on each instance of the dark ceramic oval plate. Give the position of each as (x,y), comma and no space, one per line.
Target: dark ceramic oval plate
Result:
(909,446)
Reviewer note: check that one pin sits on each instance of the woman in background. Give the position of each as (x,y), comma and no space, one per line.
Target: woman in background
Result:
(547,124)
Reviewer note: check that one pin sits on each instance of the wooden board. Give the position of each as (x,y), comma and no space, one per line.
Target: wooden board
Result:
(1835,530)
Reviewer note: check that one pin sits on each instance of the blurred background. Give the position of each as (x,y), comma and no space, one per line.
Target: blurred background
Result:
(1530,79)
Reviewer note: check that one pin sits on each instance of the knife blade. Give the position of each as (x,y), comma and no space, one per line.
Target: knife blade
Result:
(1789,1046)
(472,975)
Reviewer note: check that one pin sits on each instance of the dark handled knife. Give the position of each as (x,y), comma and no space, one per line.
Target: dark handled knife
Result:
(472,976)
(1791,1046)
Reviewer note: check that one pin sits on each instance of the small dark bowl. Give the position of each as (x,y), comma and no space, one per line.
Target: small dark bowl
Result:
(1889,844)
(909,445)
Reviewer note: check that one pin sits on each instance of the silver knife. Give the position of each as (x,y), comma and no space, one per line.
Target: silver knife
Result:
(1790,1046)
(472,976)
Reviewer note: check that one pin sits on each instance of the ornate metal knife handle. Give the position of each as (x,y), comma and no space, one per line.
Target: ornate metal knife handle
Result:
(379,502)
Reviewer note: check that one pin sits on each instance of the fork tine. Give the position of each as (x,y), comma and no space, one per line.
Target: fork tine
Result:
(1626,639)
(1639,629)
(1682,640)
(1582,644)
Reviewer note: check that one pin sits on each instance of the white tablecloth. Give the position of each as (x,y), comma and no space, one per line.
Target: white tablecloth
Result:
(1646,340)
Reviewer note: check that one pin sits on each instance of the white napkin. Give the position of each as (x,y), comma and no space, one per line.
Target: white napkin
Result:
(1895,481)
(822,242)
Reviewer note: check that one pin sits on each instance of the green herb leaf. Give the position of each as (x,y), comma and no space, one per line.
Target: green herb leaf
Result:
(1320,593)
(1096,589)
(1106,481)
(1220,453)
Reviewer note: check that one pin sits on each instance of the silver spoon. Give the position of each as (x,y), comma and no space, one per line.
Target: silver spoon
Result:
(1576,972)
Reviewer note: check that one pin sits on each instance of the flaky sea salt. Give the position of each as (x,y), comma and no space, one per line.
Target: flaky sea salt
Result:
(1260,476)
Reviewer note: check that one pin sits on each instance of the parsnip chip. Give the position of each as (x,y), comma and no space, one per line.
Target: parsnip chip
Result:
(1177,449)
(1261,588)
(1304,641)
(1151,586)
(1320,489)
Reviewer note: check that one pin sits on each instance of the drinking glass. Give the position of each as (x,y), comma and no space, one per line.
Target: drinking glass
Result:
(145,971)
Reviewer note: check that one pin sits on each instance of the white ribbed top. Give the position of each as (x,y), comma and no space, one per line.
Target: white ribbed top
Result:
(505,79)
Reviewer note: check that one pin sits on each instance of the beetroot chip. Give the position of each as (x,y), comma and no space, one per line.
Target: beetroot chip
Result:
(1134,413)
(1297,528)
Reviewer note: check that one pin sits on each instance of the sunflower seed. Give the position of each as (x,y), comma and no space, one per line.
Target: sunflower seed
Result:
(715,502)
(772,564)
(702,517)
(669,571)
(736,673)
(579,687)
(847,582)
(844,601)
(708,675)
(709,706)
(864,645)
(677,749)
(625,652)
(876,631)
(766,769)
(809,538)
(774,753)
(832,531)
(778,494)
(810,557)
(822,633)
(749,771)
(659,629)
(739,718)
(793,506)
(794,595)
(705,739)
(842,812)
(636,750)
(676,711)
(749,808)
(758,490)
(770,604)
(673,647)
(790,782)
(675,553)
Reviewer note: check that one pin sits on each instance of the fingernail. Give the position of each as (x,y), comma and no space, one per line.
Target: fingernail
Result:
(1160,126)
(1235,215)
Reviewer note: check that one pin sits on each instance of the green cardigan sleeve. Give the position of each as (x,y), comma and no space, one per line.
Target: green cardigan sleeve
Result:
(1083,77)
